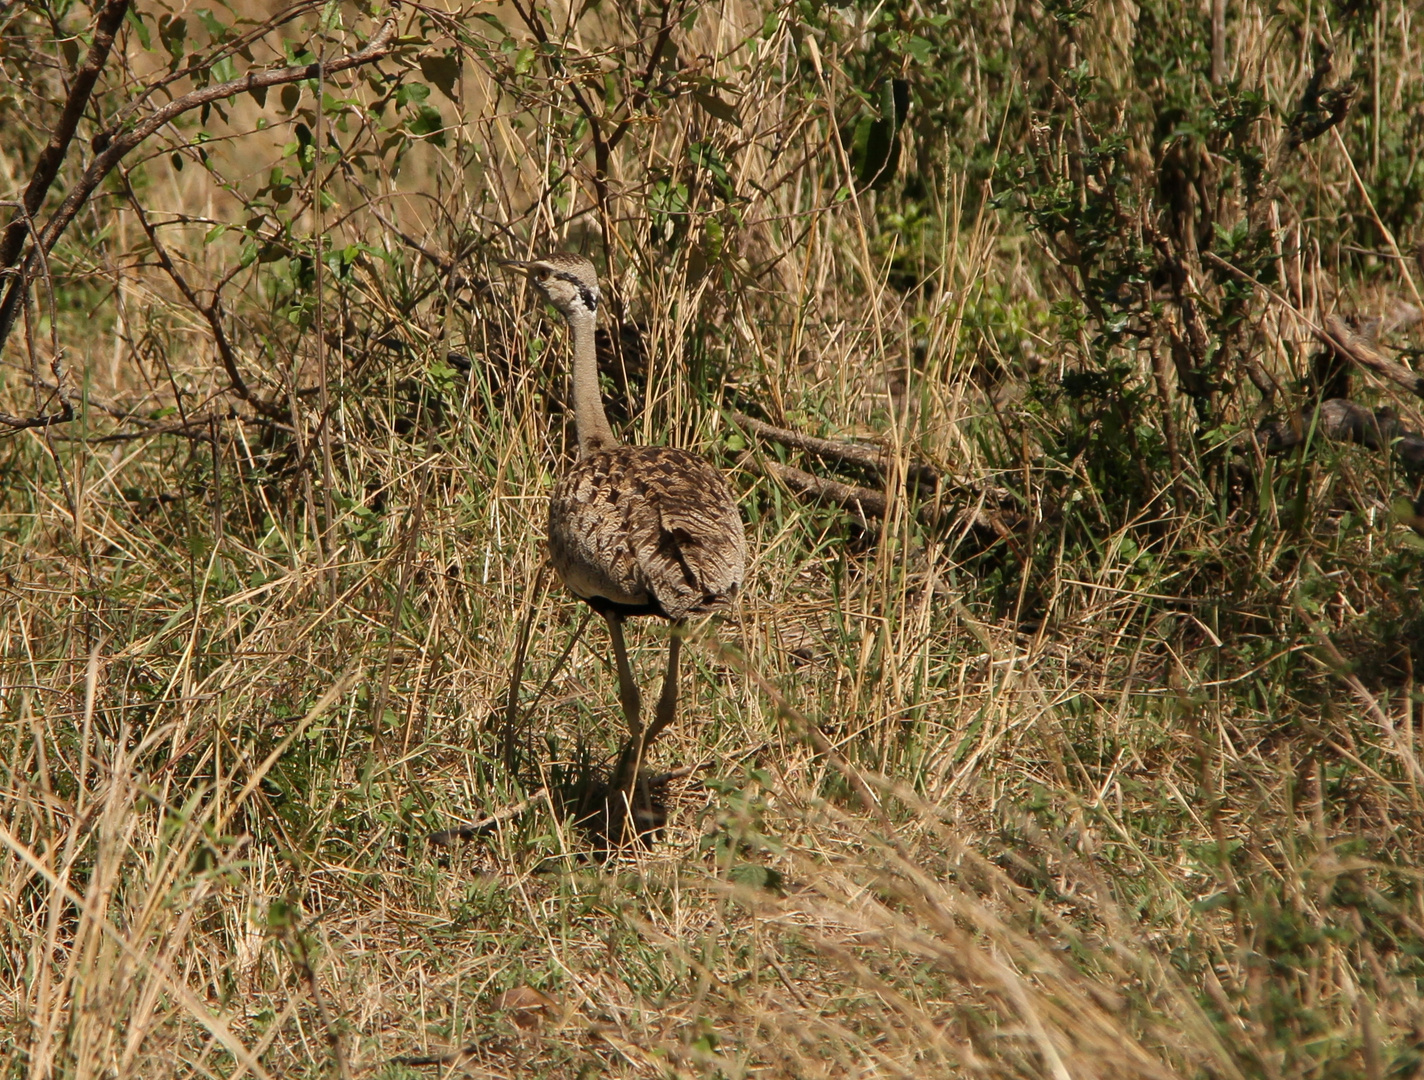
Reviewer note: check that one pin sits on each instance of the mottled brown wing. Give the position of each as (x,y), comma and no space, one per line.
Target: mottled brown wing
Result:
(647,527)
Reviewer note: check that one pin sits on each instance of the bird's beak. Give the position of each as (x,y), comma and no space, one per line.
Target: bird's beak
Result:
(517,264)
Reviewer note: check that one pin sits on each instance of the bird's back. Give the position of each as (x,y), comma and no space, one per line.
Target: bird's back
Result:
(647,530)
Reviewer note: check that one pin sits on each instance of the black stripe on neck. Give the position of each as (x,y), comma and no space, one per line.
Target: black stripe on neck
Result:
(587,293)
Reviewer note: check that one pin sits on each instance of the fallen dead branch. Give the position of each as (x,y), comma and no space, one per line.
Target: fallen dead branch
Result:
(1341,420)
(985,509)
(863,454)
(1356,348)
(861,500)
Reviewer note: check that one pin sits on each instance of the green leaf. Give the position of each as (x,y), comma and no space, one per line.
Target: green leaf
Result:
(442,70)
(134,19)
(411,94)
(1405,513)
(211,24)
(887,103)
(524,61)
(756,877)
(173,31)
(920,49)
(281,915)
(429,123)
(715,106)
(875,147)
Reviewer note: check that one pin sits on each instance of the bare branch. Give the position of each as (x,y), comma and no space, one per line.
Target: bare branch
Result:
(23,423)
(864,501)
(66,407)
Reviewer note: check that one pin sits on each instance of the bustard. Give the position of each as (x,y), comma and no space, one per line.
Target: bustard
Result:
(633,530)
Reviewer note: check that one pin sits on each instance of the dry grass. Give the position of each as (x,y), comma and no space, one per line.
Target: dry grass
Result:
(1100,800)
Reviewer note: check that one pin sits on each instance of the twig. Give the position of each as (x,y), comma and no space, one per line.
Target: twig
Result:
(323,431)
(516,672)
(211,312)
(450,1058)
(24,423)
(410,542)
(66,408)
(513,724)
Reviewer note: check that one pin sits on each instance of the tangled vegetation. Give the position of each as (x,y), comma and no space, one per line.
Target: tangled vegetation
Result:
(1061,353)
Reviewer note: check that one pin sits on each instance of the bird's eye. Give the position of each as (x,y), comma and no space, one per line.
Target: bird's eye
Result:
(542,274)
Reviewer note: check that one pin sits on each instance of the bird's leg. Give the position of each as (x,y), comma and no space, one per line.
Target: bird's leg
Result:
(667,702)
(632,763)
(624,782)
(627,688)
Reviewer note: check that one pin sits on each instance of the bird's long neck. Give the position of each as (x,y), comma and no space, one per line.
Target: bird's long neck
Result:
(590,421)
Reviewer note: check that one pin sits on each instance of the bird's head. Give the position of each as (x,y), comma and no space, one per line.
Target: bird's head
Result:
(568,281)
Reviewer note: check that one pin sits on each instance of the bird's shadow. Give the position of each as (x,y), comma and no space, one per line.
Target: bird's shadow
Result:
(590,795)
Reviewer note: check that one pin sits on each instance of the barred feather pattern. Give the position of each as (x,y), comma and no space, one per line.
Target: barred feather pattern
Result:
(647,530)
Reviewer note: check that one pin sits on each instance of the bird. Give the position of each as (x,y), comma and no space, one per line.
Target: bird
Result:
(633,530)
